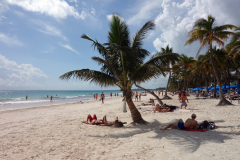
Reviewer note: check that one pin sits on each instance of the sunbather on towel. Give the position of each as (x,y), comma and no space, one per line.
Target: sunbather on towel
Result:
(91,120)
(146,104)
(163,108)
(116,123)
(190,123)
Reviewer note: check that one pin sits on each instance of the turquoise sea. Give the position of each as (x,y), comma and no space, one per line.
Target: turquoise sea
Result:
(12,99)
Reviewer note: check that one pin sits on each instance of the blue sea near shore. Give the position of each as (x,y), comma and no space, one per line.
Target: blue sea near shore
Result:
(13,99)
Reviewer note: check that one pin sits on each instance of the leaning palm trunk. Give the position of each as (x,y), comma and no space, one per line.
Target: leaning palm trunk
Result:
(152,93)
(223,101)
(206,83)
(214,92)
(166,96)
(136,116)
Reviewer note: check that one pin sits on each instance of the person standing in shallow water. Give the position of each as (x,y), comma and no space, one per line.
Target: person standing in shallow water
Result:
(102,97)
(51,99)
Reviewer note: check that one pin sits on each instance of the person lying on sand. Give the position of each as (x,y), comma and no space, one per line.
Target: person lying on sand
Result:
(91,120)
(151,100)
(163,108)
(147,104)
(189,124)
(116,123)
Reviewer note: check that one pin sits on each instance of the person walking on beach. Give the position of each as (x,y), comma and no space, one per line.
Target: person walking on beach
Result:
(115,94)
(111,94)
(102,97)
(140,96)
(189,124)
(51,99)
(182,100)
(96,96)
(162,92)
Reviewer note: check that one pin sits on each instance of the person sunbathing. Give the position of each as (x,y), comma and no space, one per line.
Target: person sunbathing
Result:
(163,108)
(146,104)
(92,120)
(116,123)
(189,124)
(151,100)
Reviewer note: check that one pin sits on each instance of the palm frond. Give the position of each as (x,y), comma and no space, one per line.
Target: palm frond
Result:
(96,77)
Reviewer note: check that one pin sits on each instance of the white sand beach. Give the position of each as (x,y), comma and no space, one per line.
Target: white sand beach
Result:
(56,132)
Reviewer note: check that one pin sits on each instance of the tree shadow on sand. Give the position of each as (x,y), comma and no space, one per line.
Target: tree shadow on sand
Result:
(189,141)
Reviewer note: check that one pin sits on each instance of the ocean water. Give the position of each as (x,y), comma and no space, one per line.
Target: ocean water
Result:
(13,99)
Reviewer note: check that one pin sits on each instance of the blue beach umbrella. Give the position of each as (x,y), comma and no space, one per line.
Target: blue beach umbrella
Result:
(238,89)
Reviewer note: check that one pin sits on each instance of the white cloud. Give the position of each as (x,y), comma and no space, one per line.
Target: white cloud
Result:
(144,11)
(4,17)
(55,8)
(49,29)
(69,48)
(73,1)
(15,75)
(176,20)
(11,41)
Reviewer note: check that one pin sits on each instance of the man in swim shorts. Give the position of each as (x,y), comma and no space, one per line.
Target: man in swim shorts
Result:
(182,100)
(190,123)
(102,97)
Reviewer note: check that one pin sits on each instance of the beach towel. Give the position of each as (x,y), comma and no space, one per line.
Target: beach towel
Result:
(195,130)
(181,110)
(146,106)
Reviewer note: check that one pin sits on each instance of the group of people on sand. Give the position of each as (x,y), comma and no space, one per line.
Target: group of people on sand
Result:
(102,97)
(159,92)
(92,120)
(115,94)
(137,96)
(190,123)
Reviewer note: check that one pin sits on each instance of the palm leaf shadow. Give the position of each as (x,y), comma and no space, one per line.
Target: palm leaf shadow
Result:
(188,141)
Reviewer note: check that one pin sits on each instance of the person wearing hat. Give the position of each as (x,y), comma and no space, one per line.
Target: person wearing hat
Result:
(190,123)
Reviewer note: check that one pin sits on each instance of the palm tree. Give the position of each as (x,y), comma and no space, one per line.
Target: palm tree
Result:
(234,45)
(184,63)
(206,31)
(170,62)
(122,62)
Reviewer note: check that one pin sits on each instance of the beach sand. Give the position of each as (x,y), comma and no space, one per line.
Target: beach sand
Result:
(56,132)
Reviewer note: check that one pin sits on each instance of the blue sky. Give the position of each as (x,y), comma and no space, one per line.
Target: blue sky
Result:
(40,39)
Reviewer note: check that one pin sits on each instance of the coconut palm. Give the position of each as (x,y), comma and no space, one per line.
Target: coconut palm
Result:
(170,62)
(184,63)
(122,62)
(206,31)
(234,46)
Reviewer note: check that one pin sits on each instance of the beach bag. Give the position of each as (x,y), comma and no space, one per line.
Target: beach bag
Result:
(172,108)
(204,125)
(211,125)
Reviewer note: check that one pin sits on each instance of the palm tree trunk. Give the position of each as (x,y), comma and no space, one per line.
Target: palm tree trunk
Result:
(152,93)
(184,84)
(136,115)
(229,77)
(223,101)
(166,96)
(206,85)
(214,92)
